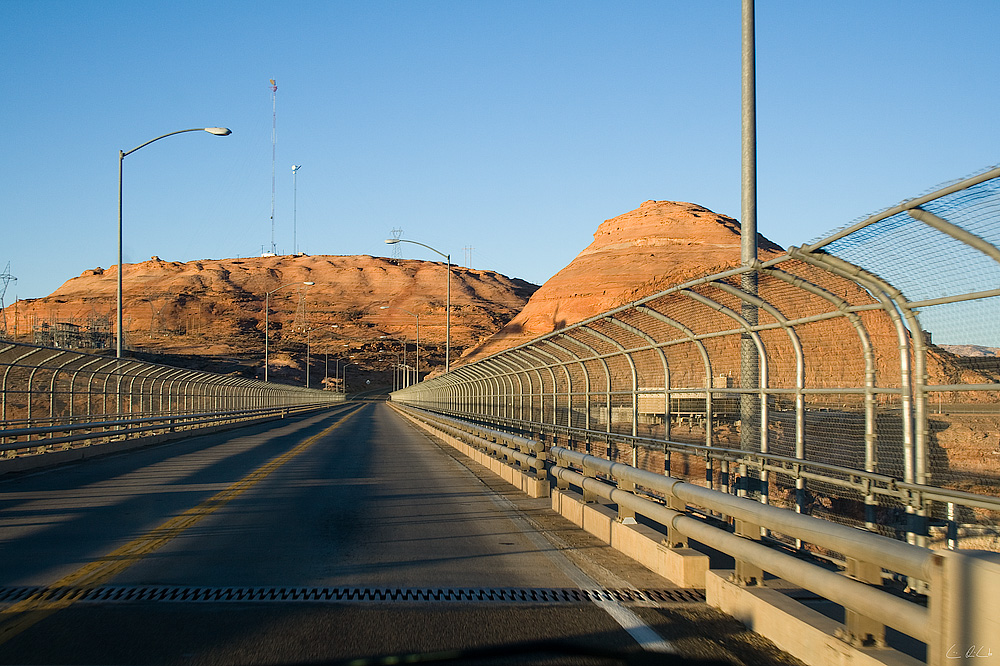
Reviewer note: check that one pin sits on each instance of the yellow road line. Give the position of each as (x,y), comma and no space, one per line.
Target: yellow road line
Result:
(23,614)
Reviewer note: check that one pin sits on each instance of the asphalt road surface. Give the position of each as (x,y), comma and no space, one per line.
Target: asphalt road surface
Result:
(348,533)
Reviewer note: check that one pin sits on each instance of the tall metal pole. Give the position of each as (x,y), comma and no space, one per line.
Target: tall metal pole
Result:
(118,330)
(447,328)
(417,317)
(749,363)
(267,328)
(122,154)
(274,136)
(295,200)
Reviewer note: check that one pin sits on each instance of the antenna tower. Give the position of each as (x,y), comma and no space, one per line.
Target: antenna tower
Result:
(396,252)
(7,278)
(301,321)
(468,255)
(274,132)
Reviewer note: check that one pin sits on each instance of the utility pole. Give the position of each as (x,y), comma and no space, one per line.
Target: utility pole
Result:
(396,233)
(7,278)
(750,412)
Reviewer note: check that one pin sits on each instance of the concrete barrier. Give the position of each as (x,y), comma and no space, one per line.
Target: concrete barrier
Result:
(685,567)
(794,627)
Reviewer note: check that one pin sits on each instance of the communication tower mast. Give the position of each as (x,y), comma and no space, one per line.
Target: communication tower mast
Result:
(274,133)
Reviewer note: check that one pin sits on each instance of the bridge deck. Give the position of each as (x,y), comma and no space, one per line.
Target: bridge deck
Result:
(344,533)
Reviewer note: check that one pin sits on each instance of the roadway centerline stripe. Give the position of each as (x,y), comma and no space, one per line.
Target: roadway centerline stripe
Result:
(24,614)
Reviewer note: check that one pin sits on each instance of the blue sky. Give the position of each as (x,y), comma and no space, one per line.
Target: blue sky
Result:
(514,127)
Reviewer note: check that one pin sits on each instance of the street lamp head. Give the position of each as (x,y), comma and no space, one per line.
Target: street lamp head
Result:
(219,131)
(391,241)
(383,307)
(296,167)
(309,283)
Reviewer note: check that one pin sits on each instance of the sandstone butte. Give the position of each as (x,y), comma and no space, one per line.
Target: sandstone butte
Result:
(658,244)
(216,307)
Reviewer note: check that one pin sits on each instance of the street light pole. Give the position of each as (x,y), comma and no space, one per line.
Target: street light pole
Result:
(344,380)
(447,334)
(309,329)
(402,344)
(417,317)
(295,197)
(218,131)
(267,323)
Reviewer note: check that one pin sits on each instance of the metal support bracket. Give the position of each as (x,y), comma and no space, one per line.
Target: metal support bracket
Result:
(859,630)
(674,539)
(746,573)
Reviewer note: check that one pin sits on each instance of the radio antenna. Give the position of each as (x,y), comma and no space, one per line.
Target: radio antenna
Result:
(274,128)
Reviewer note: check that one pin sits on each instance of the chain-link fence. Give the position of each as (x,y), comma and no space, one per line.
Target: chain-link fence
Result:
(58,398)
(860,383)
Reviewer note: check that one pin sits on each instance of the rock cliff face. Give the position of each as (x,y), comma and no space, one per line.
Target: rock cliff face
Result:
(217,306)
(658,243)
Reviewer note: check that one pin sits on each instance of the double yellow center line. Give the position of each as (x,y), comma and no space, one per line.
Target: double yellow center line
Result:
(69,589)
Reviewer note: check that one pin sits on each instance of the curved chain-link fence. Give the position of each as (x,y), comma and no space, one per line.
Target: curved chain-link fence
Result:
(859,383)
(54,396)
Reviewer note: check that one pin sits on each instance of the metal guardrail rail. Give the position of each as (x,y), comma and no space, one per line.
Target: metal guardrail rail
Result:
(863,406)
(52,399)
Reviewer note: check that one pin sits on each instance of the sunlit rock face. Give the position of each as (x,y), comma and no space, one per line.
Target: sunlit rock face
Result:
(640,252)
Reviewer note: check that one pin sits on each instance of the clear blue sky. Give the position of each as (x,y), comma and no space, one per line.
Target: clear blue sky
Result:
(513,127)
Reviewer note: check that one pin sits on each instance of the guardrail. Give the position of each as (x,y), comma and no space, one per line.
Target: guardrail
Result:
(52,399)
(959,609)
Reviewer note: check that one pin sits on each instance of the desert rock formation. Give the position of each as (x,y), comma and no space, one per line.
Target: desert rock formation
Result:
(658,243)
(217,306)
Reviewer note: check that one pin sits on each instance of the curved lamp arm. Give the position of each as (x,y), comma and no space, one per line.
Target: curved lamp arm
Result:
(393,241)
(218,131)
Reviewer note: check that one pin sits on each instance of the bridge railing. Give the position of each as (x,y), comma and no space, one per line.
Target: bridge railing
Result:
(843,386)
(958,608)
(56,398)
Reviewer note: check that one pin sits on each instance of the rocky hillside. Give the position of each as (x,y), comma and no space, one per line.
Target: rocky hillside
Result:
(216,307)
